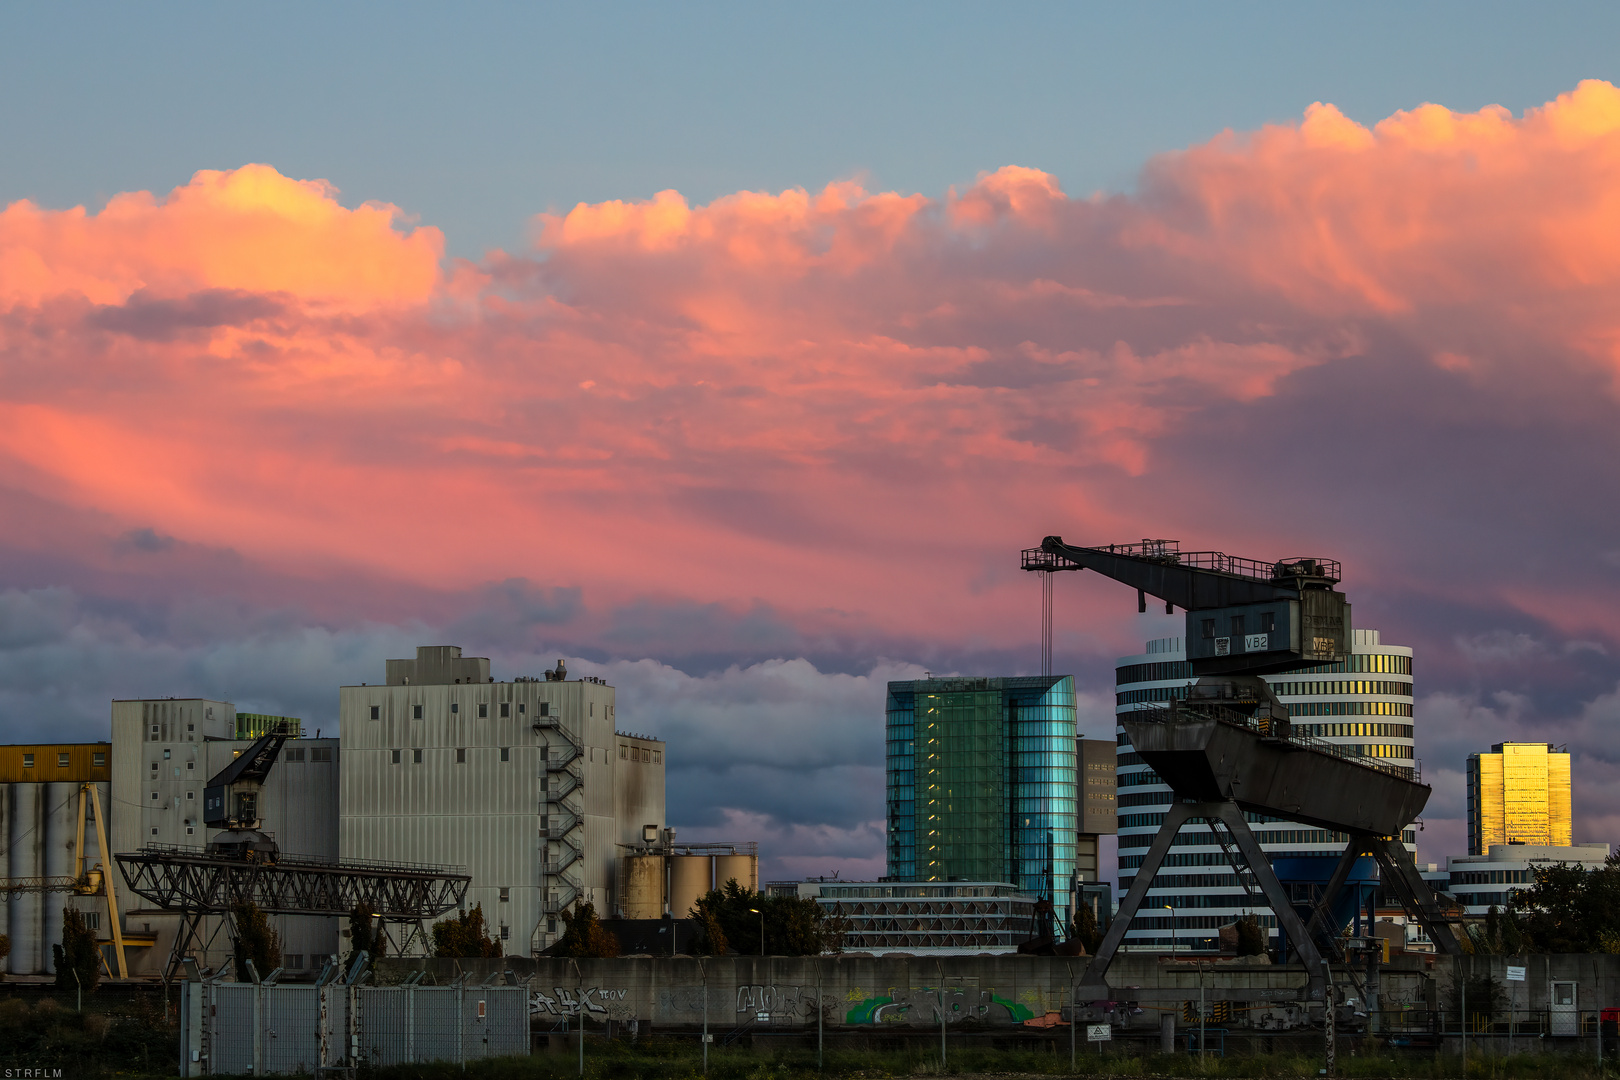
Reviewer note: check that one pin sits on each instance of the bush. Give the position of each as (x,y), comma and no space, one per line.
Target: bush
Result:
(464,935)
(585,935)
(78,955)
(256,940)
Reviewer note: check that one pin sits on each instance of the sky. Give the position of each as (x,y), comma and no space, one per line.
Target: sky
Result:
(734,355)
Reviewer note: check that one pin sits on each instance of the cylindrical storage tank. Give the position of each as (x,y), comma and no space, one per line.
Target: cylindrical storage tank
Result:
(643,894)
(743,868)
(61,820)
(28,947)
(690,876)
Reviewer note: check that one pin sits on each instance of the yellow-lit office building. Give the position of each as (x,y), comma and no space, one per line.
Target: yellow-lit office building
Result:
(1519,794)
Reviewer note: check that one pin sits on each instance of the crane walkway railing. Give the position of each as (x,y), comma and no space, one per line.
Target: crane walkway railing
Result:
(1183,712)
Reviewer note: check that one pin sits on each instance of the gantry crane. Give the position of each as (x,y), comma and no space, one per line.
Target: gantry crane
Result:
(1230,749)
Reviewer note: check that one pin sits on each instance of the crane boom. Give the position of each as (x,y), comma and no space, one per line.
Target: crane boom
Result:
(1244,616)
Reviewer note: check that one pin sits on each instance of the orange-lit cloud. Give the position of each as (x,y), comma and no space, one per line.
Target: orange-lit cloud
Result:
(852,407)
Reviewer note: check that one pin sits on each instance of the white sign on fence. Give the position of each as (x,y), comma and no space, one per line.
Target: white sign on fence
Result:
(1099,1032)
(1515,974)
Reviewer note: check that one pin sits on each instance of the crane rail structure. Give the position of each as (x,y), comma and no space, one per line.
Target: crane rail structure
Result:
(198,884)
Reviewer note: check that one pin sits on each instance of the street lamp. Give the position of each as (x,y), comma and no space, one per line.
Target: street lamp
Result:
(761,913)
(1171,909)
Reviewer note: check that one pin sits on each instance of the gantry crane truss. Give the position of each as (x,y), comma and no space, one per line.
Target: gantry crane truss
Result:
(198,884)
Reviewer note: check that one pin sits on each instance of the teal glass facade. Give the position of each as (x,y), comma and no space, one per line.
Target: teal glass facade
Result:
(981,782)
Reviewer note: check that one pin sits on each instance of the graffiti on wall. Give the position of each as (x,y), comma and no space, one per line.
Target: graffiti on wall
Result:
(568,1000)
(926,1006)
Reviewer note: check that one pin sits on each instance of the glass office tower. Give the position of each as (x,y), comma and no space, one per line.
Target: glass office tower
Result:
(981,782)
(1519,794)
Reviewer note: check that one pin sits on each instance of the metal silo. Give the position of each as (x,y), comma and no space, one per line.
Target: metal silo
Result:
(642,895)
(690,876)
(743,868)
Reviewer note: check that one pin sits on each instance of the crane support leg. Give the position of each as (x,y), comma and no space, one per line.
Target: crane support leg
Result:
(1320,925)
(114,916)
(1094,982)
(1400,874)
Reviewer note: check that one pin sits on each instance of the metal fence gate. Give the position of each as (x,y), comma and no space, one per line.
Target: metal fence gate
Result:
(265,1029)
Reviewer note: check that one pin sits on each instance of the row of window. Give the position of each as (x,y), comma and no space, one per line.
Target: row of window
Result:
(1202,858)
(1350,708)
(640,753)
(461,755)
(1387,731)
(98,759)
(483,709)
(1345,686)
(316,753)
(1358,663)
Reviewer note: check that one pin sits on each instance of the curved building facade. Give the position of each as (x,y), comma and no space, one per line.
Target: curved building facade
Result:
(1364,703)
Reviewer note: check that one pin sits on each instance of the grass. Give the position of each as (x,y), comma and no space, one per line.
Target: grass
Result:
(114,1036)
(672,1060)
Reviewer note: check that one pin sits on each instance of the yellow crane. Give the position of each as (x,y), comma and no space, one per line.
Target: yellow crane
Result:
(97,881)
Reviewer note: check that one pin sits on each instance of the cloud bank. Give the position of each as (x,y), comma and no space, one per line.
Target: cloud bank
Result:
(756,456)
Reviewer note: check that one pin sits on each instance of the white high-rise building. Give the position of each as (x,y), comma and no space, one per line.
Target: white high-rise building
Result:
(1364,702)
(526,784)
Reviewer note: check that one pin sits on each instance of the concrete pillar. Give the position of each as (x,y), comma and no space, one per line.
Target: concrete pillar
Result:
(1167,1032)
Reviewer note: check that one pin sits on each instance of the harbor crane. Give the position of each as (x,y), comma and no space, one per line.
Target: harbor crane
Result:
(1229,749)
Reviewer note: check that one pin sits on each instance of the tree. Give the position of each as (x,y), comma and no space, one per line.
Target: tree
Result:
(585,936)
(1569,909)
(79,953)
(5,951)
(363,936)
(256,940)
(464,935)
(1485,999)
(793,925)
(1251,938)
(1085,928)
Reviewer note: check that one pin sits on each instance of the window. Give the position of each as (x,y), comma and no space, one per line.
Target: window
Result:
(165,755)
(545,752)
(396,757)
(191,794)
(483,709)
(455,707)
(416,712)
(191,766)
(294,961)
(92,920)
(1207,628)
(506,894)
(545,708)
(154,831)
(506,708)
(622,754)
(1237,625)
(28,761)
(154,796)
(523,707)
(506,753)
(154,732)
(320,753)
(506,932)
(593,708)
(1268,621)
(416,757)
(376,712)
(98,759)
(658,757)
(193,727)
(62,760)
(551,926)
(295,753)
(190,830)
(461,755)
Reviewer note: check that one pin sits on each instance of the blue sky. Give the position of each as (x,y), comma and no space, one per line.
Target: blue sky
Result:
(475,117)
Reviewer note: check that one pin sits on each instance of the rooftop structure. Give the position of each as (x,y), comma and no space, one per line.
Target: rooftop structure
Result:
(1480,882)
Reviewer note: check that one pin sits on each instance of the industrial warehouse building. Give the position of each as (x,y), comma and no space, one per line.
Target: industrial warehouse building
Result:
(1363,703)
(527,786)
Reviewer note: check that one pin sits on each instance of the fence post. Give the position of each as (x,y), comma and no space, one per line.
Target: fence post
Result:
(461,1022)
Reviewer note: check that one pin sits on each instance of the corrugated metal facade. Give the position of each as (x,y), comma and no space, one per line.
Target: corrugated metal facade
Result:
(485,776)
(39,824)
(164,752)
